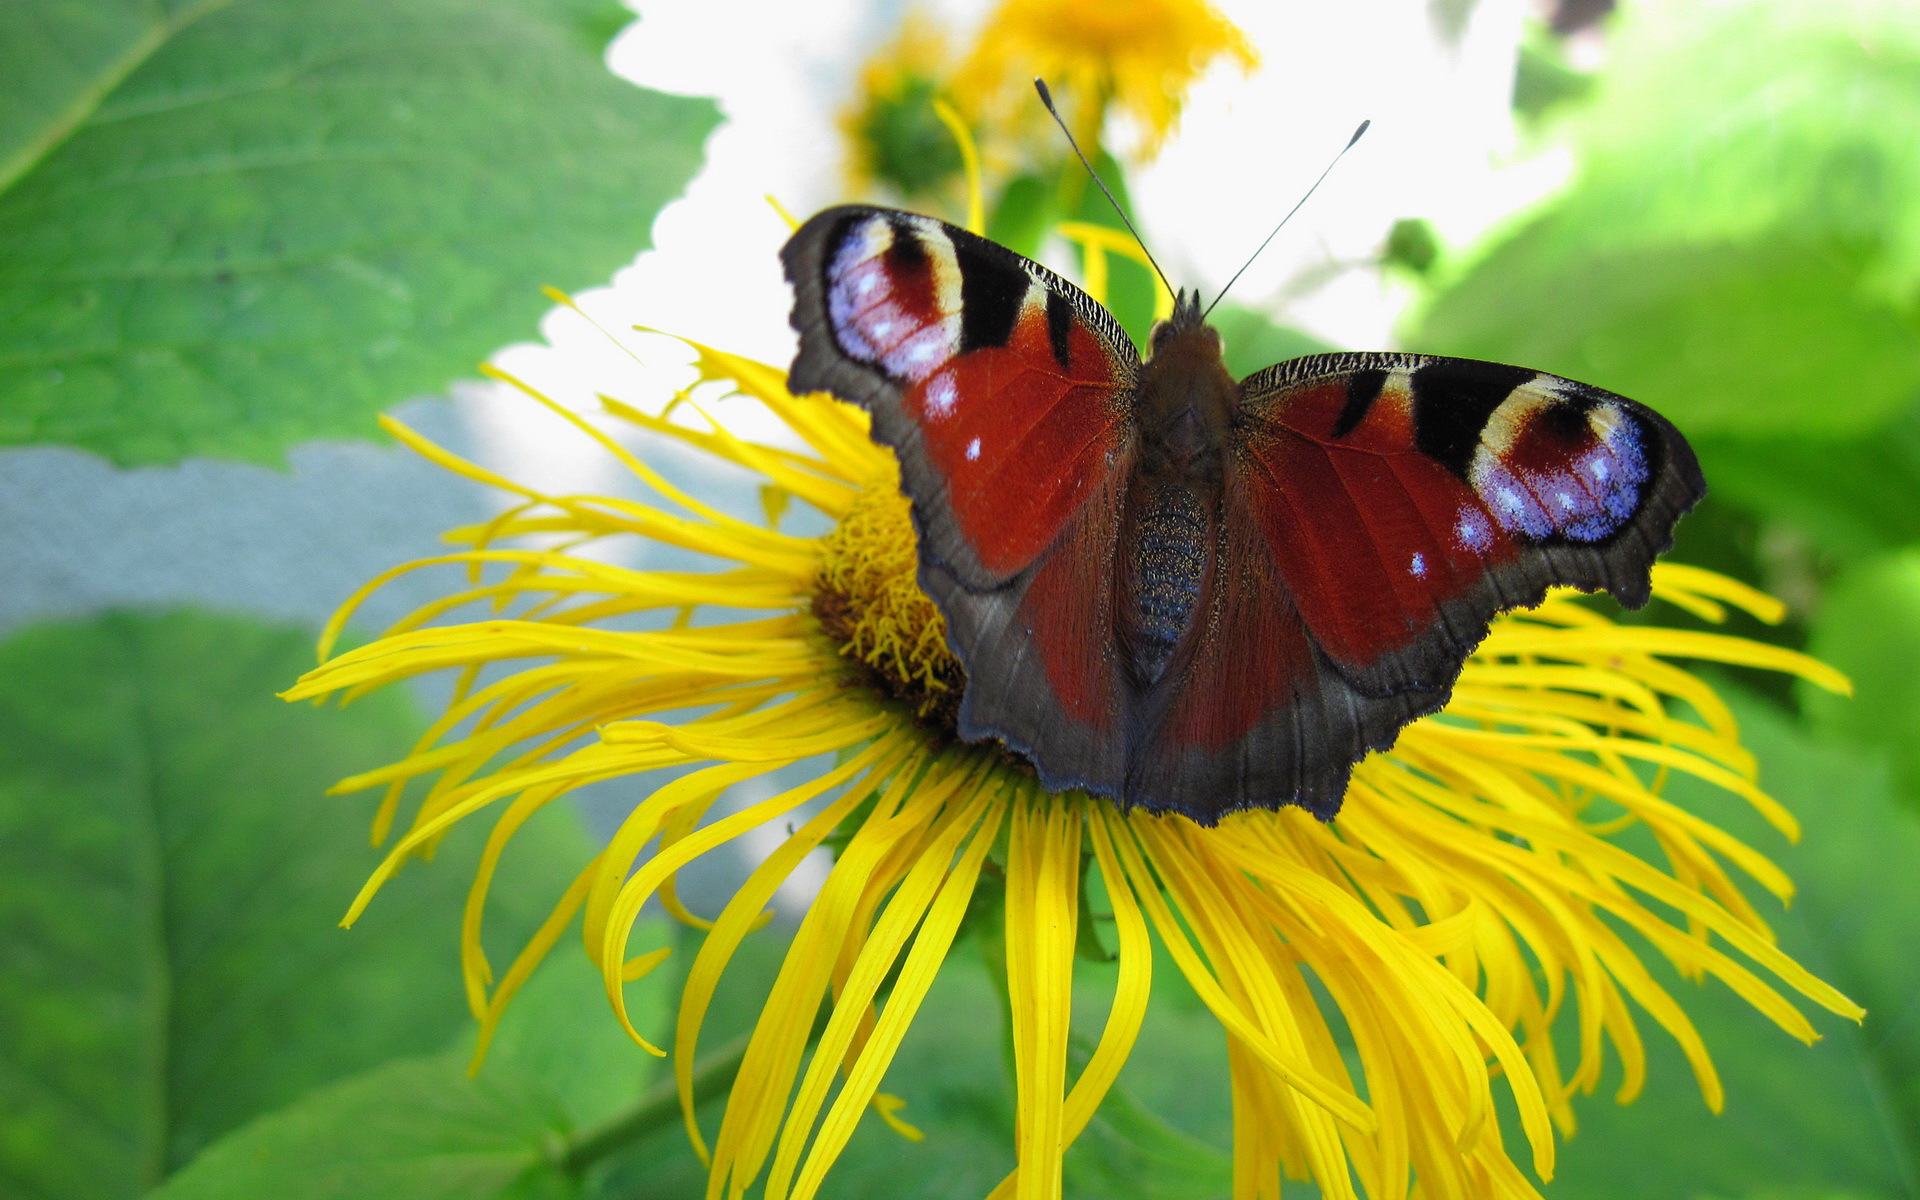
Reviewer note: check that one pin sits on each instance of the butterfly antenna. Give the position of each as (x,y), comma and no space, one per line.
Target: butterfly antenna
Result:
(1046,98)
(1289,216)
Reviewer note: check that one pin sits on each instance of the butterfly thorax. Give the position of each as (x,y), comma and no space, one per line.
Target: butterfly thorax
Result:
(1184,407)
(1183,413)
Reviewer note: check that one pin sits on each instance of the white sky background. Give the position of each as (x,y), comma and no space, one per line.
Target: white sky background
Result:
(1442,147)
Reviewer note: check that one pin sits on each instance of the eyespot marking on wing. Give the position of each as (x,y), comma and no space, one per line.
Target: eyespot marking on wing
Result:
(1552,465)
(894,295)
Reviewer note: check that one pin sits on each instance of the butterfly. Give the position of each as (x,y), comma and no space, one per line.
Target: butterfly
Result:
(1194,594)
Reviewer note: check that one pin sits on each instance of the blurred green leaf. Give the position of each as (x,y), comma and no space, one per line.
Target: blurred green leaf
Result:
(1019,219)
(903,140)
(1412,245)
(1852,498)
(1794,115)
(1812,1193)
(662,1166)
(1130,284)
(1841,1118)
(423,1128)
(1749,269)
(1543,79)
(1869,627)
(560,1034)
(1253,341)
(1129,1151)
(229,226)
(170,878)
(1774,337)
(418,1130)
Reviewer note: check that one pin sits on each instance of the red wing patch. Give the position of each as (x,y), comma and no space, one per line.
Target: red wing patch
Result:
(1005,392)
(1378,510)
(1370,535)
(1041,673)
(1002,388)
(1407,499)
(1018,435)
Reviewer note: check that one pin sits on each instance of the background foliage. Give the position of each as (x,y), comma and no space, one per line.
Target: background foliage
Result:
(226,227)
(235,224)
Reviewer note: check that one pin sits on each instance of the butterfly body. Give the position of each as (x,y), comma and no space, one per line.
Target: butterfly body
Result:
(1192,593)
(1182,416)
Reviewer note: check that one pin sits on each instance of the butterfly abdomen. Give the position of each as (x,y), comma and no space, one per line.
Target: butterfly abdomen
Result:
(1183,414)
(1169,537)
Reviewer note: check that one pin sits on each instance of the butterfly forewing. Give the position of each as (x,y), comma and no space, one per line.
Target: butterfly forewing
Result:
(1408,498)
(1001,386)
(1004,391)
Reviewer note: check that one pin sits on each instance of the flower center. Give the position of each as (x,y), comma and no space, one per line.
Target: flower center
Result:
(869,602)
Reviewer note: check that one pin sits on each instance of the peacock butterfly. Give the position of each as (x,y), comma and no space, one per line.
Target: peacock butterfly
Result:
(1198,595)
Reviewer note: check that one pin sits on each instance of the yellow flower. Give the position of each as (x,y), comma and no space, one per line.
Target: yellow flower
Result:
(1469,898)
(1137,56)
(893,135)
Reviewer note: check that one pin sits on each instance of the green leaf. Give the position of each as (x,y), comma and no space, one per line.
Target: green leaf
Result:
(1412,246)
(1869,627)
(234,224)
(1129,1151)
(560,1034)
(1841,1118)
(1851,498)
(1130,284)
(424,1128)
(1805,115)
(1752,270)
(903,140)
(1813,1193)
(1253,341)
(662,1166)
(416,1130)
(1772,337)
(1019,219)
(171,876)
(1543,79)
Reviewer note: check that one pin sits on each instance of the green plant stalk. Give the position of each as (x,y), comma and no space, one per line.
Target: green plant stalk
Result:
(653,1111)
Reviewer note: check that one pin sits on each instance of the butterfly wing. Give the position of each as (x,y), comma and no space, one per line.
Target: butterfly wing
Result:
(1251,714)
(1004,391)
(1407,499)
(1387,507)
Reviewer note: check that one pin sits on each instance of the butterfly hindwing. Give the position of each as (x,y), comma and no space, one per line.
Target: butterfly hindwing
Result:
(1004,391)
(1039,656)
(1251,713)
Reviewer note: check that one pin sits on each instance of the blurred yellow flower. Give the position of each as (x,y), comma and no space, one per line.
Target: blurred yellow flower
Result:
(893,135)
(1137,57)
(1380,979)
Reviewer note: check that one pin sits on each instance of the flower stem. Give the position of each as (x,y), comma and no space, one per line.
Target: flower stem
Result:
(656,1109)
